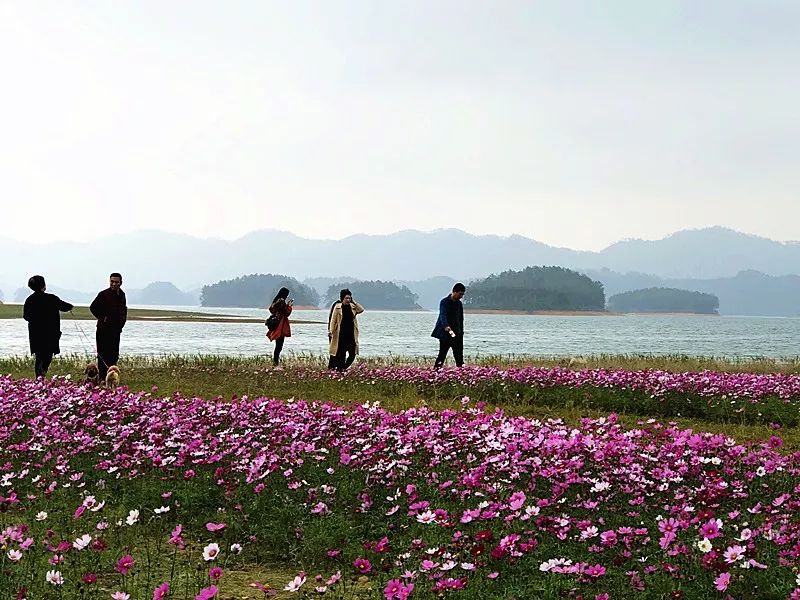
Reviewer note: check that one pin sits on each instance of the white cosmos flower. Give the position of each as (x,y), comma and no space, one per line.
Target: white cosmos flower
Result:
(704,545)
(14,555)
(426,517)
(54,577)
(41,516)
(296,583)
(82,542)
(163,509)
(133,517)
(211,551)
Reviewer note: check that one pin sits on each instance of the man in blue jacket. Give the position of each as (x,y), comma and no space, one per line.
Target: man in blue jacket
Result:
(450,327)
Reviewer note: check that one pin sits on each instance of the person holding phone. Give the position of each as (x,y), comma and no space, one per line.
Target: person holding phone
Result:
(343,331)
(281,308)
(450,327)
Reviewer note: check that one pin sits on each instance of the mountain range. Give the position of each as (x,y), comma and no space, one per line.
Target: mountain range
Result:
(407,256)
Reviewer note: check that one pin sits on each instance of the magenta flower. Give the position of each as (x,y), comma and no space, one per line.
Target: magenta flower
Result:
(161,591)
(710,529)
(215,573)
(517,500)
(125,564)
(207,593)
(214,527)
(595,571)
(397,590)
(362,565)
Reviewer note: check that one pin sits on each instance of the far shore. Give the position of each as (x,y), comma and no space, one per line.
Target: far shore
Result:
(581,313)
(81,313)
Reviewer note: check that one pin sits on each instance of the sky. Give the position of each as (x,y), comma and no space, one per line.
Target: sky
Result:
(574,123)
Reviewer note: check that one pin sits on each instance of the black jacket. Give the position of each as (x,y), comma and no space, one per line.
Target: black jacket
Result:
(41,311)
(110,309)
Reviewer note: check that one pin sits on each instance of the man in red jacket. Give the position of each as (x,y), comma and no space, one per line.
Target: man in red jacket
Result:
(111,311)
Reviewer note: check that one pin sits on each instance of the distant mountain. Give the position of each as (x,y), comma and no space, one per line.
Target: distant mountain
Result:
(162,293)
(747,293)
(321,284)
(186,261)
(430,291)
(71,296)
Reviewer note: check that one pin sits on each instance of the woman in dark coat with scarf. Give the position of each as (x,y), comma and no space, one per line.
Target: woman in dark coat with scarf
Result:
(281,308)
(41,311)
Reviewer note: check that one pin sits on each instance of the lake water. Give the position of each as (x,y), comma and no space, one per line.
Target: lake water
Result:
(408,334)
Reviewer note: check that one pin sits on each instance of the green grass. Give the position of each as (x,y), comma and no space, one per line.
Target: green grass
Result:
(224,377)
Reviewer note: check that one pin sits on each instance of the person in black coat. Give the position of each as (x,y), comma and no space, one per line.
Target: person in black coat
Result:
(449,328)
(42,312)
(111,311)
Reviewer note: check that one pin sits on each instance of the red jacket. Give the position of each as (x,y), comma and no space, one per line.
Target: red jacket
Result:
(283,329)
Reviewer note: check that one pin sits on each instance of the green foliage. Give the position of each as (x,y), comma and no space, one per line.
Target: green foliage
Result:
(536,288)
(256,291)
(657,299)
(378,295)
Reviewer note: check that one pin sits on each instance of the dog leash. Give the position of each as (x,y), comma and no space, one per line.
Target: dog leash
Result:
(86,337)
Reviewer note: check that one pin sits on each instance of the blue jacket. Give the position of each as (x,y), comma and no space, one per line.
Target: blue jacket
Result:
(451,314)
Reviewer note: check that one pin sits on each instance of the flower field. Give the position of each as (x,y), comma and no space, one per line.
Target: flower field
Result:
(136,495)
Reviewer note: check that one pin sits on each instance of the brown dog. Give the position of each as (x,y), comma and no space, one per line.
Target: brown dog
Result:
(112,377)
(91,374)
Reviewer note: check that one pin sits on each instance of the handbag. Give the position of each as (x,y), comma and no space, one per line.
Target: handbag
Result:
(272,322)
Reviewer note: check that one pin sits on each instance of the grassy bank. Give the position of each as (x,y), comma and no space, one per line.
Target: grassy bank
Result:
(81,313)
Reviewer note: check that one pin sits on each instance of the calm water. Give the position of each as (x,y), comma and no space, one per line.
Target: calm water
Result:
(408,333)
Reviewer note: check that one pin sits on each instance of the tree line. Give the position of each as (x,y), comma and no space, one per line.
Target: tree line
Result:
(256,291)
(536,288)
(658,299)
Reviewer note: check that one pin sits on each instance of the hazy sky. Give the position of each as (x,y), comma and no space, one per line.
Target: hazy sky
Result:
(575,123)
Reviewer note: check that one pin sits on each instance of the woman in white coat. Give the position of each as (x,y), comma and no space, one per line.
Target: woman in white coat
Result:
(343,331)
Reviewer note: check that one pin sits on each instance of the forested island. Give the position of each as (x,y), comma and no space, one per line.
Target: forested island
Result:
(376,295)
(664,300)
(536,289)
(256,291)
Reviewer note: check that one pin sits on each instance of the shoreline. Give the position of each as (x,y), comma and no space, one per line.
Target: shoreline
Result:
(581,313)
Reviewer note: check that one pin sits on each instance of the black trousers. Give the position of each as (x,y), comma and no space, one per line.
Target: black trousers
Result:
(447,342)
(43,360)
(345,355)
(276,355)
(107,350)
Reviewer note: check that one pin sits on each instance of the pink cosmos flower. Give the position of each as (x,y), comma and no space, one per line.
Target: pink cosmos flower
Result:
(362,565)
(161,591)
(517,500)
(125,564)
(397,590)
(710,529)
(207,593)
(215,573)
(595,571)
(214,527)
(723,581)
(734,553)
